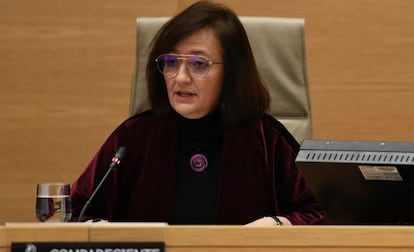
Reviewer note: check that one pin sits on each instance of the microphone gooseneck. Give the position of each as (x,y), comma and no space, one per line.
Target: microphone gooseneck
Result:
(116,161)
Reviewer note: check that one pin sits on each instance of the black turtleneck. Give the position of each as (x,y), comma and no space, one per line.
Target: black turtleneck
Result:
(196,192)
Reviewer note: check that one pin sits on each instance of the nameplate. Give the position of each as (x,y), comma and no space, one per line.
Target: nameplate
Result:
(88,247)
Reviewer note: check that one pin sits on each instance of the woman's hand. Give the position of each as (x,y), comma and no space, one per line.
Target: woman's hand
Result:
(269,222)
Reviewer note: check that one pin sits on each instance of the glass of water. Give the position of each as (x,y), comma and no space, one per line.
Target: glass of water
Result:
(53,202)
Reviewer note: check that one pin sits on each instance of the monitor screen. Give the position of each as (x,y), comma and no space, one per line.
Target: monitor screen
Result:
(361,182)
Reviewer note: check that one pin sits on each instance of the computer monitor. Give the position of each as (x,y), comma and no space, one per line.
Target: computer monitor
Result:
(361,182)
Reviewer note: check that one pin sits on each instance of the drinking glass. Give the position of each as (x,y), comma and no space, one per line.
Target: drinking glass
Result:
(53,202)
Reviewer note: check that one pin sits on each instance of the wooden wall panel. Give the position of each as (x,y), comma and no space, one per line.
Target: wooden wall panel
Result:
(361,62)
(66,68)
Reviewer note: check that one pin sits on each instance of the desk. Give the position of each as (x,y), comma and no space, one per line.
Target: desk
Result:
(44,232)
(222,238)
(2,239)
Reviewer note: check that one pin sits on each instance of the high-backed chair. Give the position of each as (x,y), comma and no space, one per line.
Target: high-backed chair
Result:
(278,46)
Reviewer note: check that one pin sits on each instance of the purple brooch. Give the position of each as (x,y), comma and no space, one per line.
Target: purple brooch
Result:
(198,162)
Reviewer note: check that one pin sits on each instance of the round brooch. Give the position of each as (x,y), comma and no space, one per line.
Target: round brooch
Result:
(198,162)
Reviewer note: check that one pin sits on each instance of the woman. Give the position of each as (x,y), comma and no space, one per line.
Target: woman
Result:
(206,153)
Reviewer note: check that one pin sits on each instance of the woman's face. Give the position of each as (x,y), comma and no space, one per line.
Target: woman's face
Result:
(191,95)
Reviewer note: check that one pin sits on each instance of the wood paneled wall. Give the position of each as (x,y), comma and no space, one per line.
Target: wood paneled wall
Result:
(66,68)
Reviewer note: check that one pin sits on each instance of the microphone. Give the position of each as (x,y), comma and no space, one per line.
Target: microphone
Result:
(116,161)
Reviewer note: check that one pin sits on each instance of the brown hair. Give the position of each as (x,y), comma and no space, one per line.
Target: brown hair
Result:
(244,94)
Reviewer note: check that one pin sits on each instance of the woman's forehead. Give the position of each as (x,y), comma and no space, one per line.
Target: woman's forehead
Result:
(202,42)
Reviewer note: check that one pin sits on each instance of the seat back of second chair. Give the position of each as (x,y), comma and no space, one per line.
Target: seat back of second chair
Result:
(278,46)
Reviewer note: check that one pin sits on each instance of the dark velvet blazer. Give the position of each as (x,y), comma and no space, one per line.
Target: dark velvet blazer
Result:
(258,175)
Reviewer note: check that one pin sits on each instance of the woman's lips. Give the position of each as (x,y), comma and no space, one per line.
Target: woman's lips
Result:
(185,94)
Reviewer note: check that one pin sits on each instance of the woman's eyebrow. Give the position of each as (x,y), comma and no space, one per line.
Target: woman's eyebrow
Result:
(192,52)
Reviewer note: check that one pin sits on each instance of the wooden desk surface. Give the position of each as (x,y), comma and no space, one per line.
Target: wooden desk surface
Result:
(38,232)
(2,238)
(221,238)
(297,236)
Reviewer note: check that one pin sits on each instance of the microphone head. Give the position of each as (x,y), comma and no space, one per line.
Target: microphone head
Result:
(118,158)
(122,151)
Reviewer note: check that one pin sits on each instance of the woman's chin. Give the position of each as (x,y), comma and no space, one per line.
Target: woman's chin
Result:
(189,113)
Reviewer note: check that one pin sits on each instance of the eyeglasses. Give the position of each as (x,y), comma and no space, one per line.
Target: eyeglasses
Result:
(168,64)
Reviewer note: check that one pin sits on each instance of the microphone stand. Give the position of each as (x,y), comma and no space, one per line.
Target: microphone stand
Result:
(116,160)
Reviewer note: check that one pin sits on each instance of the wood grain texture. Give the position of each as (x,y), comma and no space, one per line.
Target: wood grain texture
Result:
(46,232)
(224,238)
(66,69)
(3,243)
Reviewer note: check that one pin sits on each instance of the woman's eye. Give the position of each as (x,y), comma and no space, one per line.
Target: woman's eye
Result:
(198,63)
(171,62)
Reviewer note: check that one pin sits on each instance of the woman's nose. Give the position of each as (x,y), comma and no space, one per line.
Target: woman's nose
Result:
(183,72)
